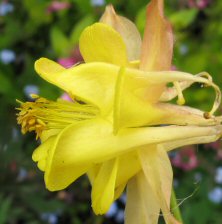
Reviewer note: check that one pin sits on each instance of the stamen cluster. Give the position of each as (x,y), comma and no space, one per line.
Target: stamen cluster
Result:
(43,114)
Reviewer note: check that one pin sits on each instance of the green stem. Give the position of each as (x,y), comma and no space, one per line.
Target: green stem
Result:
(175,208)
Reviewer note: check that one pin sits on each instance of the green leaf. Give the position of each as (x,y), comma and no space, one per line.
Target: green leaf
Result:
(79,27)
(37,11)
(141,20)
(183,18)
(83,6)
(8,36)
(60,42)
(5,86)
(4,209)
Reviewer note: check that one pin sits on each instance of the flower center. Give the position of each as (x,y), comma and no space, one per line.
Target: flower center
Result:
(43,114)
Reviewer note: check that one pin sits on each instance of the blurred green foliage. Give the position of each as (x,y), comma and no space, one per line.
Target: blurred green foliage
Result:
(32,30)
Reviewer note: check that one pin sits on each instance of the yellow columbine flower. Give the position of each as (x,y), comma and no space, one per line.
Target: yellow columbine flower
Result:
(119,127)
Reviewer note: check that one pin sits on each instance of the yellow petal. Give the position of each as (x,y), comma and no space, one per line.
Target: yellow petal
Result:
(93,141)
(158,172)
(157,46)
(190,141)
(103,188)
(79,146)
(95,82)
(142,206)
(101,43)
(59,177)
(92,82)
(129,165)
(58,173)
(131,107)
(184,115)
(42,151)
(93,172)
(40,154)
(119,190)
(126,29)
(42,164)
(46,134)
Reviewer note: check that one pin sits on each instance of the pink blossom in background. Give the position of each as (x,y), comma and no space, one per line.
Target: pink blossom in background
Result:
(185,159)
(200,4)
(74,58)
(213,145)
(219,154)
(13,166)
(67,62)
(76,54)
(173,68)
(65,96)
(58,6)
(218,149)
(5,8)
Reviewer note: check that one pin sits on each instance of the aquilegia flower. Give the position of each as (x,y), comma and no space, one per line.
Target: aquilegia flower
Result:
(119,126)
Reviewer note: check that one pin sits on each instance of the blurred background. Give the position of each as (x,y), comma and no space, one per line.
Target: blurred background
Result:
(30,29)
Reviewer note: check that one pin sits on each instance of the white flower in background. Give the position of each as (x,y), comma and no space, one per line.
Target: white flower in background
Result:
(113,210)
(97,2)
(218,176)
(15,134)
(184,49)
(123,199)
(7,56)
(31,89)
(22,175)
(215,195)
(5,8)
(198,177)
(49,217)
(120,216)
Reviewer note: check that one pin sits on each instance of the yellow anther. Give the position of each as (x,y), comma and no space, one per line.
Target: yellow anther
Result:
(38,126)
(31,122)
(24,123)
(31,128)
(34,96)
(39,121)
(41,100)
(22,112)
(207,115)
